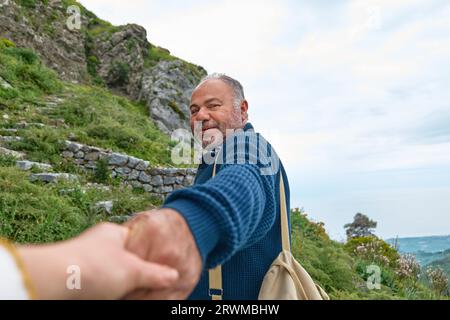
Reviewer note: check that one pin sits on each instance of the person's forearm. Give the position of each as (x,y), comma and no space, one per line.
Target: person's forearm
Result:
(94,265)
(47,267)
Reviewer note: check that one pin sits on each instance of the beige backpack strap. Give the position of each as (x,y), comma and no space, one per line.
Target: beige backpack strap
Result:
(215,283)
(285,242)
(215,275)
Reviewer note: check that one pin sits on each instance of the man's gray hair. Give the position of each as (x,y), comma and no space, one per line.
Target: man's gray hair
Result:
(235,85)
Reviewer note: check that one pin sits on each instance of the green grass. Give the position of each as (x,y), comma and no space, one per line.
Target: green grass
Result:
(155,55)
(174,106)
(92,114)
(38,213)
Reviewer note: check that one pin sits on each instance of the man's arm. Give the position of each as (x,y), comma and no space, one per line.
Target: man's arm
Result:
(225,214)
(205,224)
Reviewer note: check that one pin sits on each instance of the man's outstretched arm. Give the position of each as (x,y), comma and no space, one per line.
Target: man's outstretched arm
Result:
(205,225)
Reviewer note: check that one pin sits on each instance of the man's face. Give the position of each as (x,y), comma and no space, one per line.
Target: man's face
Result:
(212,107)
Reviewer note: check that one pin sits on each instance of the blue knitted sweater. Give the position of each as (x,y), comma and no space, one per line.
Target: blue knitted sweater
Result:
(235,216)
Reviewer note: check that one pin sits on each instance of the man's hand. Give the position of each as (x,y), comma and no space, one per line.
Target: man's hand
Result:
(163,236)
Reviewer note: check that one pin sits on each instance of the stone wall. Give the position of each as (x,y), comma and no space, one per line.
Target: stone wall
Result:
(133,171)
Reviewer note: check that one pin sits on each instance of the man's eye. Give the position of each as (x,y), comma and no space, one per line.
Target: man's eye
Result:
(194,111)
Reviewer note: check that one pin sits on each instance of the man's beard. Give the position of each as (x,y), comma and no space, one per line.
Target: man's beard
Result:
(216,133)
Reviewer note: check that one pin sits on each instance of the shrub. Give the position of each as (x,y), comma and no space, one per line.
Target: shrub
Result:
(174,106)
(22,69)
(6,43)
(31,213)
(408,267)
(28,3)
(438,280)
(118,135)
(387,275)
(102,172)
(374,250)
(41,145)
(28,56)
(92,63)
(7,161)
(119,74)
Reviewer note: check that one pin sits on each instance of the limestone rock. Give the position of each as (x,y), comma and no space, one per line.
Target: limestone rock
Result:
(53,177)
(27,165)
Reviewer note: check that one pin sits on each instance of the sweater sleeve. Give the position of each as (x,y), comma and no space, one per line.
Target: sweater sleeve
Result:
(229,212)
(13,279)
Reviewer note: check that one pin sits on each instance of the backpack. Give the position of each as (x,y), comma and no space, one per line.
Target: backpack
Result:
(286,278)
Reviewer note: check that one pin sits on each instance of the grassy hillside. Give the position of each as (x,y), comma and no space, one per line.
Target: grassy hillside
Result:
(44,111)
(429,251)
(87,114)
(341,269)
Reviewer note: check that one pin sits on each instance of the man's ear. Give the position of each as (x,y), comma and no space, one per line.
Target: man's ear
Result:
(244,110)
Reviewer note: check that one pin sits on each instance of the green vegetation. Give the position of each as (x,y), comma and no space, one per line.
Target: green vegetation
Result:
(38,213)
(92,115)
(155,55)
(51,111)
(6,43)
(344,270)
(119,74)
(174,106)
(28,3)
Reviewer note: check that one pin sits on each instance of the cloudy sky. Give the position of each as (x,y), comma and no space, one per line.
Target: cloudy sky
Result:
(354,96)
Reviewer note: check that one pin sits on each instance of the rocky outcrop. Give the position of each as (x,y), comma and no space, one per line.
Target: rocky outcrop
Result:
(43,28)
(167,89)
(11,153)
(28,165)
(119,56)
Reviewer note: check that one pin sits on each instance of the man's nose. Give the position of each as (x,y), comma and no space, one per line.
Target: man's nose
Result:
(202,114)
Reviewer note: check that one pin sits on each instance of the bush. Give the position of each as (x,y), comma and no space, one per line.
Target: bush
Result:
(388,277)
(22,69)
(373,249)
(28,56)
(118,135)
(7,161)
(28,3)
(326,261)
(31,213)
(174,106)
(102,172)
(119,74)
(41,145)
(438,280)
(408,267)
(6,43)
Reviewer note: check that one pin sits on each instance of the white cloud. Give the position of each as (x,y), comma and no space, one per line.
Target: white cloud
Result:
(341,92)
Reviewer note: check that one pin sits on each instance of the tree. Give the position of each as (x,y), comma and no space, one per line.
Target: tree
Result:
(360,227)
